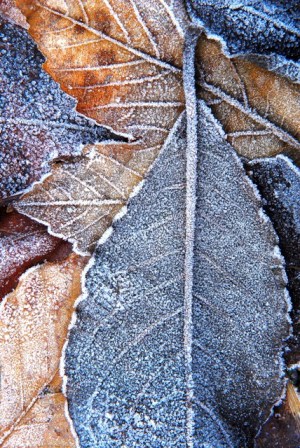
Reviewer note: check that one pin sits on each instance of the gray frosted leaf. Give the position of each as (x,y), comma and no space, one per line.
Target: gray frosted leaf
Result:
(38,121)
(279,183)
(174,347)
(252,26)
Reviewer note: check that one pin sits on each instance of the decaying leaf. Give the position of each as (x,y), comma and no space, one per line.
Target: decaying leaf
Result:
(9,10)
(283,428)
(123,64)
(33,329)
(45,425)
(279,183)
(38,121)
(259,110)
(86,195)
(23,244)
(179,341)
(277,64)
(252,26)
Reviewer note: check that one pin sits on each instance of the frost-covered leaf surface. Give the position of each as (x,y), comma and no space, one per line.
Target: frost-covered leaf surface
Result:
(38,121)
(283,428)
(180,347)
(81,198)
(123,64)
(23,244)
(252,26)
(279,183)
(45,424)
(259,110)
(10,11)
(277,64)
(34,323)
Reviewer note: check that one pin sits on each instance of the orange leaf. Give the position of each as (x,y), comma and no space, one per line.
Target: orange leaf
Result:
(122,61)
(259,110)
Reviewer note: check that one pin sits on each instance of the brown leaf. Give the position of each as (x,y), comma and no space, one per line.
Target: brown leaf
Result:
(123,64)
(282,430)
(24,243)
(38,121)
(33,329)
(45,425)
(9,10)
(259,110)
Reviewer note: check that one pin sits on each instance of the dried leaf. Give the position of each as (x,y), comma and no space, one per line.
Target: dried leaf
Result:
(277,64)
(252,26)
(23,244)
(279,183)
(45,424)
(38,121)
(283,428)
(123,64)
(179,342)
(33,329)
(9,10)
(259,110)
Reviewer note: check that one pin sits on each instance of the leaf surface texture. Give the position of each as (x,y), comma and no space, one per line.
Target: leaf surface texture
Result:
(279,183)
(145,365)
(259,110)
(38,121)
(23,244)
(33,329)
(123,64)
(252,26)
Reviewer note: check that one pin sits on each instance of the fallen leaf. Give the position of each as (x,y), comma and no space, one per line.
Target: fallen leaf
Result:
(33,329)
(129,78)
(45,425)
(23,244)
(278,181)
(86,194)
(259,110)
(38,121)
(252,26)
(282,430)
(10,11)
(278,65)
(179,340)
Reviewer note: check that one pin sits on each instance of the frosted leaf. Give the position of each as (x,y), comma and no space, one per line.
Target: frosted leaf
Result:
(282,429)
(9,10)
(179,340)
(24,243)
(277,64)
(129,78)
(33,328)
(45,422)
(252,26)
(279,183)
(259,110)
(38,121)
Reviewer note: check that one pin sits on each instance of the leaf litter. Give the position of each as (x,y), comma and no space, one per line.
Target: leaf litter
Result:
(212,431)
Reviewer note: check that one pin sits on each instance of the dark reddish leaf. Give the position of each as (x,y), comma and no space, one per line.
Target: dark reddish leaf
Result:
(24,243)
